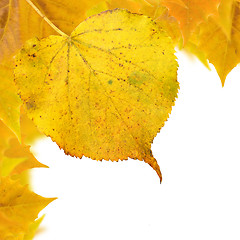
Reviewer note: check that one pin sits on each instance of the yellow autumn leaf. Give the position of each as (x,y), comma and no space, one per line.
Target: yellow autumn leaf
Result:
(191,14)
(8,164)
(6,134)
(160,14)
(33,229)
(17,150)
(9,100)
(6,225)
(225,16)
(223,52)
(161,2)
(100,7)
(10,104)
(153,9)
(66,15)
(131,5)
(24,178)
(20,21)
(105,91)
(192,48)
(15,157)
(19,207)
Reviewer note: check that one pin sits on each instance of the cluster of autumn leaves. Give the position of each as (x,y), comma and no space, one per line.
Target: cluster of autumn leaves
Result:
(19,206)
(209,29)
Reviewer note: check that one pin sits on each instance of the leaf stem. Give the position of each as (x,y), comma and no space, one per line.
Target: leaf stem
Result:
(46,19)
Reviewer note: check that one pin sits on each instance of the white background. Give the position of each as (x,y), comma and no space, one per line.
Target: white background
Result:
(199,154)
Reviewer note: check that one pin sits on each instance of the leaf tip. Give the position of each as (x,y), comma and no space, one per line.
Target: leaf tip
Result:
(153,163)
(223,79)
(223,82)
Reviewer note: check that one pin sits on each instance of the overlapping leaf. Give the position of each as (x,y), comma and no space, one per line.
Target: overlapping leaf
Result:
(33,229)
(191,13)
(209,34)
(9,100)
(131,5)
(14,157)
(19,207)
(160,14)
(225,16)
(221,50)
(20,21)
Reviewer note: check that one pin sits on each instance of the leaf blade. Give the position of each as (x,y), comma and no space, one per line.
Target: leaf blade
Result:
(124,95)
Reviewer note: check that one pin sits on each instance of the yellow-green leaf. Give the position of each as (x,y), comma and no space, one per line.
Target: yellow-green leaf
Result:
(105,91)
(19,207)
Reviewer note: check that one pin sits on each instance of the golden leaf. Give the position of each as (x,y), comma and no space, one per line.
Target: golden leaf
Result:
(14,157)
(10,104)
(192,48)
(9,100)
(222,52)
(160,14)
(19,20)
(191,14)
(19,207)
(6,134)
(225,16)
(100,7)
(33,229)
(66,15)
(6,225)
(17,150)
(131,5)
(105,91)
